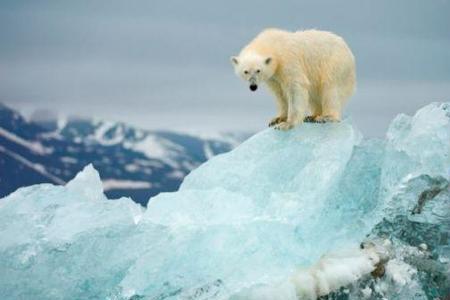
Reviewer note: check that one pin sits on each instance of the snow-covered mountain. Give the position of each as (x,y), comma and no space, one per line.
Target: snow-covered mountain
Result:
(132,162)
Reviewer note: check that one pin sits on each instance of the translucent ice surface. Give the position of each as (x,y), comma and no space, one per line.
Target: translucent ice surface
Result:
(280,217)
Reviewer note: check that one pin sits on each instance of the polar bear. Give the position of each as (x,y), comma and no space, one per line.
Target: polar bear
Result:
(308,71)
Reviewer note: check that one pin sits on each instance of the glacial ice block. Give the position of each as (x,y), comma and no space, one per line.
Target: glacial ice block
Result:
(255,221)
(272,176)
(417,147)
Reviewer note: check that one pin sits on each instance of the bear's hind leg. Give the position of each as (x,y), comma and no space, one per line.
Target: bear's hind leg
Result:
(331,106)
(315,107)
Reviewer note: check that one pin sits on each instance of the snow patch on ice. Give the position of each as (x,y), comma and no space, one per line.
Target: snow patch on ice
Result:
(332,271)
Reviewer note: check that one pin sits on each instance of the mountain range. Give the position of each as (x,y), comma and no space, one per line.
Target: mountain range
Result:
(132,162)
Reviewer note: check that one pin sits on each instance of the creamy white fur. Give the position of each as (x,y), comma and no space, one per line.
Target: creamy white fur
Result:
(308,71)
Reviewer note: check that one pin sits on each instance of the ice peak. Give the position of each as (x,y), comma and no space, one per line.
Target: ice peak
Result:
(87,183)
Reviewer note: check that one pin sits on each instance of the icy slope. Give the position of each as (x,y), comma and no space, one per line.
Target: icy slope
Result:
(280,217)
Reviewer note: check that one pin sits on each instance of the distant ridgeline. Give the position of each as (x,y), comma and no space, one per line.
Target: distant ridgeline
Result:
(132,162)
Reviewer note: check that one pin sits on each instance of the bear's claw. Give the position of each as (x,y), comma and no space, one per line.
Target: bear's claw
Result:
(325,119)
(320,119)
(310,119)
(276,121)
(284,126)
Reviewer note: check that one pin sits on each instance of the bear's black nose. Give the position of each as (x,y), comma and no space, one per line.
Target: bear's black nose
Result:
(253,87)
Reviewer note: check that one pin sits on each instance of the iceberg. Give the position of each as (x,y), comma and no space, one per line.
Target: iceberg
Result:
(315,211)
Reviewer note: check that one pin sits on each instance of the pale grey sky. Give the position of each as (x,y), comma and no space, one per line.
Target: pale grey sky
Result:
(165,64)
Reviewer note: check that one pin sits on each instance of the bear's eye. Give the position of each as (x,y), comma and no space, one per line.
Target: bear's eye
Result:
(245,72)
(257,71)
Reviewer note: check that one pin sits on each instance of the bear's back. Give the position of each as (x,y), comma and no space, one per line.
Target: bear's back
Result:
(307,41)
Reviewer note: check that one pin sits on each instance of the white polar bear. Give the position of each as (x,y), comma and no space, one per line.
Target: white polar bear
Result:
(306,70)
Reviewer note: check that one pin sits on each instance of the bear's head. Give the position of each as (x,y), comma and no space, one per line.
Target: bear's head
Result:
(253,68)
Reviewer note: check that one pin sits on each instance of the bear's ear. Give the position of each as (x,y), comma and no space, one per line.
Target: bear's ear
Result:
(268,60)
(234,60)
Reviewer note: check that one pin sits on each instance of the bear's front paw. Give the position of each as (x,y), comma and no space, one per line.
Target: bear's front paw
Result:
(284,126)
(276,120)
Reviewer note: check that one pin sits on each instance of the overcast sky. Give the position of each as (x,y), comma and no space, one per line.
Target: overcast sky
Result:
(165,64)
